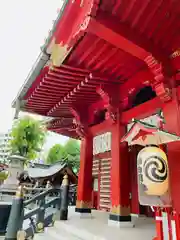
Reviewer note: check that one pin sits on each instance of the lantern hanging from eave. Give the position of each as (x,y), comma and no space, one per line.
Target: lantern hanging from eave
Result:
(153,177)
(152,163)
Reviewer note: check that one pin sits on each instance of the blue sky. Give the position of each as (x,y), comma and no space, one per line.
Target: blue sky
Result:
(24,25)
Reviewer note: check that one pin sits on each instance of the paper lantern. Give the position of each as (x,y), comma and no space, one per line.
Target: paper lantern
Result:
(153,171)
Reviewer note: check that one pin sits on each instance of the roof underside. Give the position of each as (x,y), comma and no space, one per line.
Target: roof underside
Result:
(96,59)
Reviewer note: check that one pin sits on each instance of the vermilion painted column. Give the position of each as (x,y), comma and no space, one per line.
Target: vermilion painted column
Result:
(84,192)
(120,179)
(134,183)
(171,112)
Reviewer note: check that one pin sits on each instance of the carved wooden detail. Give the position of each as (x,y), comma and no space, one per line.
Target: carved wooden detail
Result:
(160,83)
(163,91)
(79,122)
(175,54)
(110,96)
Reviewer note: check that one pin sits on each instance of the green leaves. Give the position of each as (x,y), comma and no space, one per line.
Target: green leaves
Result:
(69,153)
(56,153)
(3,175)
(28,135)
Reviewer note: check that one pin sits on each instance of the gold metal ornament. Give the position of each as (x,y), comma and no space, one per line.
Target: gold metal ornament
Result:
(120,210)
(20,192)
(40,227)
(65,181)
(59,53)
(83,204)
(175,54)
(21,235)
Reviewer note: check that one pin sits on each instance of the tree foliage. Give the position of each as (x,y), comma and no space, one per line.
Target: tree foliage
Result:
(3,175)
(72,153)
(55,154)
(28,136)
(69,153)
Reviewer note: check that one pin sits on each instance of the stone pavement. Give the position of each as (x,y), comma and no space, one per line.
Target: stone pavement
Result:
(96,228)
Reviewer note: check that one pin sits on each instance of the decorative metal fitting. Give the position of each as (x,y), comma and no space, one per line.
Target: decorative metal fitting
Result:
(21,235)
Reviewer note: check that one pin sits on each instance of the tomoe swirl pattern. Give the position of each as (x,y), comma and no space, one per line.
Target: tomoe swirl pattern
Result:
(153,172)
(155,169)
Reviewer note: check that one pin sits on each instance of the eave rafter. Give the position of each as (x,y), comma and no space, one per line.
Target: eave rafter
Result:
(106,29)
(46,91)
(72,95)
(67,85)
(85,90)
(125,38)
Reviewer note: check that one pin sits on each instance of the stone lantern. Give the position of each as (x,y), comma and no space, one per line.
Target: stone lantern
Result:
(16,166)
(8,189)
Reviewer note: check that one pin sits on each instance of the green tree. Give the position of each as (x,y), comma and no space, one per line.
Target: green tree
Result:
(69,153)
(72,153)
(3,175)
(28,136)
(55,154)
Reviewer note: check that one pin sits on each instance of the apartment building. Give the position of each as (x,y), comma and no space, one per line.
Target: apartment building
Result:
(4,146)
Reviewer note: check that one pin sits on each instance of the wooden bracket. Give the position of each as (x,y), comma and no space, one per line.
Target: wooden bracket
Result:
(163,91)
(79,121)
(110,96)
(160,83)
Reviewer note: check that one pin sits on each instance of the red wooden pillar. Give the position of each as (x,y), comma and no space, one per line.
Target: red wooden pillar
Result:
(171,112)
(134,183)
(84,193)
(120,178)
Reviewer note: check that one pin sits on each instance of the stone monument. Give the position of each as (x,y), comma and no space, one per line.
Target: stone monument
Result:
(16,166)
(8,189)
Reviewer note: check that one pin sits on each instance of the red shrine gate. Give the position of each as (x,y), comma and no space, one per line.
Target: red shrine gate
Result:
(116,60)
(101,172)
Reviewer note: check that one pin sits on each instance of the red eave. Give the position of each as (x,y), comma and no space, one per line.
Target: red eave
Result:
(39,78)
(108,42)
